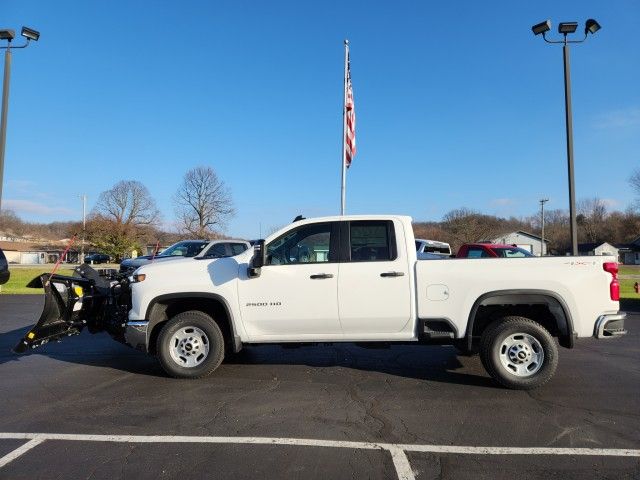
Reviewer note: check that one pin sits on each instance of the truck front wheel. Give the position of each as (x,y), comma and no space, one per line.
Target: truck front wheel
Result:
(518,353)
(190,345)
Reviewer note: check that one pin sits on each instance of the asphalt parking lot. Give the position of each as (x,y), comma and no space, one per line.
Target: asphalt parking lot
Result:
(91,408)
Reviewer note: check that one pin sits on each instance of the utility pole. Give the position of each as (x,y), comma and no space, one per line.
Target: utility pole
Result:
(542,202)
(84,225)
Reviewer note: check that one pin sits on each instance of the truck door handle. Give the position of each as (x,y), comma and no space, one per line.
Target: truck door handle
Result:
(392,274)
(321,276)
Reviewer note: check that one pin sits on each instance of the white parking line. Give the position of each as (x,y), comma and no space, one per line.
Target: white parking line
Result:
(19,451)
(595,452)
(304,442)
(401,462)
(397,451)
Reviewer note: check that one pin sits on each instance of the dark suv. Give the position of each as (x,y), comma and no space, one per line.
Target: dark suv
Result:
(4,268)
(97,258)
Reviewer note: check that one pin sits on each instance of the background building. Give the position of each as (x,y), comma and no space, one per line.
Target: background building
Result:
(525,240)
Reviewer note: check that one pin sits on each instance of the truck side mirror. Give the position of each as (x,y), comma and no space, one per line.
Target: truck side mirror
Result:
(257,261)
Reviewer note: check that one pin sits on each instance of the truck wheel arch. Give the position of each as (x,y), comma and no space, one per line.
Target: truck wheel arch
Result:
(519,298)
(159,312)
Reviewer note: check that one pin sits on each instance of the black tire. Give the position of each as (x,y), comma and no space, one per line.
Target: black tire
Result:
(519,330)
(213,338)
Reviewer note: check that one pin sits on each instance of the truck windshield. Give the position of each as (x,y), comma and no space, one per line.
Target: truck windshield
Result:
(184,249)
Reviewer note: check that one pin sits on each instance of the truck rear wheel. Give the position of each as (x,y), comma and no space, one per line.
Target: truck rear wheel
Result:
(518,353)
(190,345)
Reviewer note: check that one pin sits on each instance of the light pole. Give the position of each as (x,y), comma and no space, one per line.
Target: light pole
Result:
(542,202)
(84,225)
(9,35)
(564,28)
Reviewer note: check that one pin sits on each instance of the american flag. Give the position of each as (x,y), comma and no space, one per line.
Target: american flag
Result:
(350,114)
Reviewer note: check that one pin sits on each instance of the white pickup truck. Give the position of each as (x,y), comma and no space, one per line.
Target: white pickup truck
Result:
(343,279)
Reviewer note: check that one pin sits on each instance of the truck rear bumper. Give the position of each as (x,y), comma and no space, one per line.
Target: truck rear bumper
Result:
(135,334)
(611,325)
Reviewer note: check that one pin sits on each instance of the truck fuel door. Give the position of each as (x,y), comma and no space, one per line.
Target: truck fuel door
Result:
(437,292)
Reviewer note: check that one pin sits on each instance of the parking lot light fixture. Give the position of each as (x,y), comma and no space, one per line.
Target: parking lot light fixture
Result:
(541,27)
(30,34)
(591,26)
(565,28)
(6,34)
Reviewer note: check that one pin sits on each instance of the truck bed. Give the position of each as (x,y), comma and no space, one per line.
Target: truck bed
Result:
(449,289)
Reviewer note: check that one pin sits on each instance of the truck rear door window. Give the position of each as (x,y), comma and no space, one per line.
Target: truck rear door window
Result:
(372,241)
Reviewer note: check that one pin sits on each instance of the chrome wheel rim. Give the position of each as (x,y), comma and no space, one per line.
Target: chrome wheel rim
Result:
(189,347)
(521,355)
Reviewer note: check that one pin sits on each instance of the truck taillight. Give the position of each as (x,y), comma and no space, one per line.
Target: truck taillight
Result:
(614,286)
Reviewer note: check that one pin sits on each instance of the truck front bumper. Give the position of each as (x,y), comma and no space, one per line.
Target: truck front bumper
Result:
(135,334)
(611,325)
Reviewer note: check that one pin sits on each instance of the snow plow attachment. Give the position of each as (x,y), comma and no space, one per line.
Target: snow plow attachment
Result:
(94,299)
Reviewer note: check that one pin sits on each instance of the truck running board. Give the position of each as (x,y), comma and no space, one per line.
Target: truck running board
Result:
(436,330)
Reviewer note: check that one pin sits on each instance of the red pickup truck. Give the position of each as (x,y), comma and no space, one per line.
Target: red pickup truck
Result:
(491,250)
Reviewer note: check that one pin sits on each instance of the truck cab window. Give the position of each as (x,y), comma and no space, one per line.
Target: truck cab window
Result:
(238,248)
(371,241)
(307,244)
(217,250)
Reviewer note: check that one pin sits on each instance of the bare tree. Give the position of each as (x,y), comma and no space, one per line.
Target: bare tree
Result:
(11,224)
(128,203)
(592,214)
(468,226)
(121,218)
(634,181)
(203,202)
(431,231)
(623,227)
(557,230)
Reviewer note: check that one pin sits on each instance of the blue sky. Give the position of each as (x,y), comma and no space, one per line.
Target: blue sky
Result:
(458,105)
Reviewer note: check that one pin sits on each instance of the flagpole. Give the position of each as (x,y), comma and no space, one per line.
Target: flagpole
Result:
(344,130)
